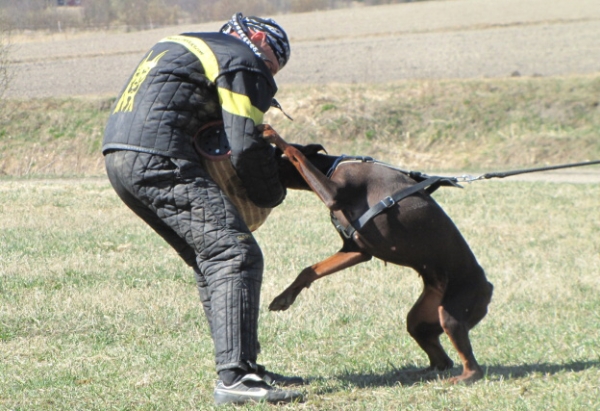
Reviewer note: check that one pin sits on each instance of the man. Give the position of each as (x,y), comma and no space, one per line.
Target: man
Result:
(184,84)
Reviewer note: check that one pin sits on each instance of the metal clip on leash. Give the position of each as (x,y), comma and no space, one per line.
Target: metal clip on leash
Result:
(467,178)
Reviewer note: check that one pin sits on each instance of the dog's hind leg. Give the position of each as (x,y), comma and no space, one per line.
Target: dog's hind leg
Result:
(460,311)
(424,326)
(337,262)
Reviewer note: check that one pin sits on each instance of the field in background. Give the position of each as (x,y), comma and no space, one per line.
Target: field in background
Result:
(445,39)
(97,313)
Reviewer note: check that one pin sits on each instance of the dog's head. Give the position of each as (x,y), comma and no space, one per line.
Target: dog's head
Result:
(289,175)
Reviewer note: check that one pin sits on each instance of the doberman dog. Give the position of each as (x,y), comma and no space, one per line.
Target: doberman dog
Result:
(414,232)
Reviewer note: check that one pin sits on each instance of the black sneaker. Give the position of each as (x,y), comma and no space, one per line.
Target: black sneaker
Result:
(278,379)
(253,388)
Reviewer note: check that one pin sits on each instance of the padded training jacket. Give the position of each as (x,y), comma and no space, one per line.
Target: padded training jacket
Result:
(191,79)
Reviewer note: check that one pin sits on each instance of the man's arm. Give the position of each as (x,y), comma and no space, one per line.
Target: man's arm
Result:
(244,98)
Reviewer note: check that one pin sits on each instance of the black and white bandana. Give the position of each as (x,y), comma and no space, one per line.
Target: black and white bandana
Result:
(276,36)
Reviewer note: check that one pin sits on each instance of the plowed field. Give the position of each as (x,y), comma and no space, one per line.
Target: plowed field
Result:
(433,39)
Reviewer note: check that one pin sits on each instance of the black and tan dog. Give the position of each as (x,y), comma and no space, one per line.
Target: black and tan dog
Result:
(413,232)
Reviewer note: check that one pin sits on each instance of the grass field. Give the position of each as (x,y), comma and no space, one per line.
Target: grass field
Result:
(97,313)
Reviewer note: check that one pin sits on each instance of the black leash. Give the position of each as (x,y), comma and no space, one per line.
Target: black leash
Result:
(503,174)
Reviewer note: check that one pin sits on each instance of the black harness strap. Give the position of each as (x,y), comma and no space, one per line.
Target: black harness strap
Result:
(344,157)
(424,182)
(387,202)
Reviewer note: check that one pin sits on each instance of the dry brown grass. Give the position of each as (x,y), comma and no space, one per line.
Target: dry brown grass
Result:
(458,125)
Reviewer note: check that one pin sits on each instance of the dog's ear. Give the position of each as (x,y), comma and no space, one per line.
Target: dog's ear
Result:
(310,149)
(307,150)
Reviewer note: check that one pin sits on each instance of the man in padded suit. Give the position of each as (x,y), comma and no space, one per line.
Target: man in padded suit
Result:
(182,84)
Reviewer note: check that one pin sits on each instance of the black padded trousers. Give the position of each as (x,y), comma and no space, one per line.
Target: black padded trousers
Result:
(180,201)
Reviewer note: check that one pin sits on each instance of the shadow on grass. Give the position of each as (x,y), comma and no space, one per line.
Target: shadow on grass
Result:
(412,376)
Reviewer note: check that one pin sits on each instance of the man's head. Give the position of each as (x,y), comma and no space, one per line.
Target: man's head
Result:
(265,37)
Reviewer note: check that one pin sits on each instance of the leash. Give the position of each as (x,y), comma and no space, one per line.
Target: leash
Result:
(502,174)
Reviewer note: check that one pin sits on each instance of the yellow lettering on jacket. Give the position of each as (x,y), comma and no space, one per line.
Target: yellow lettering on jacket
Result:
(126,100)
(201,50)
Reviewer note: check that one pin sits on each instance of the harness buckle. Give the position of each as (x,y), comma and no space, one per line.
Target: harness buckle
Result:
(388,202)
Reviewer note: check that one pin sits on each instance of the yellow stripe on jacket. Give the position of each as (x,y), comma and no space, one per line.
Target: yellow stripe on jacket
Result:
(234,103)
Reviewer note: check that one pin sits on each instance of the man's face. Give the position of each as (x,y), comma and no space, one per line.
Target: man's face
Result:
(259,39)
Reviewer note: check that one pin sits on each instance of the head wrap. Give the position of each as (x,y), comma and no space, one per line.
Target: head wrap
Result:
(276,36)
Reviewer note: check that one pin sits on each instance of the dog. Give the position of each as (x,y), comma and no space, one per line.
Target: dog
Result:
(409,229)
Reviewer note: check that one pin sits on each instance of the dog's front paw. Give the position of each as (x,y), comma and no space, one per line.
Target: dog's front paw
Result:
(283,301)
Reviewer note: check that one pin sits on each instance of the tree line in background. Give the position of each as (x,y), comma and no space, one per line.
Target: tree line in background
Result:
(57,15)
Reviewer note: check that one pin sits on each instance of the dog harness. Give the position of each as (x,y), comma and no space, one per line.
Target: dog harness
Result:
(424,182)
